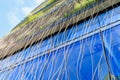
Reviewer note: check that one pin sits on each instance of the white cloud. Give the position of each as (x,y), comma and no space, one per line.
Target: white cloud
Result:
(21,1)
(39,1)
(13,19)
(27,10)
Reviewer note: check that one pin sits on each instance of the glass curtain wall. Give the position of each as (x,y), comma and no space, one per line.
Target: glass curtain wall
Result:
(87,51)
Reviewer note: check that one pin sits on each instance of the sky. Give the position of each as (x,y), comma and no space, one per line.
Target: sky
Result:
(13,12)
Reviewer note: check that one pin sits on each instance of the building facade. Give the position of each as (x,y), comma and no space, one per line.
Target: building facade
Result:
(86,50)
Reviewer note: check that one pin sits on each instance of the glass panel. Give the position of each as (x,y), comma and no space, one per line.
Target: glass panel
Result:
(112,43)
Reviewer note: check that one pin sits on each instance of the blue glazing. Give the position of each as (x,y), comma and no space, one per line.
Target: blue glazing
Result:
(83,60)
(58,39)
